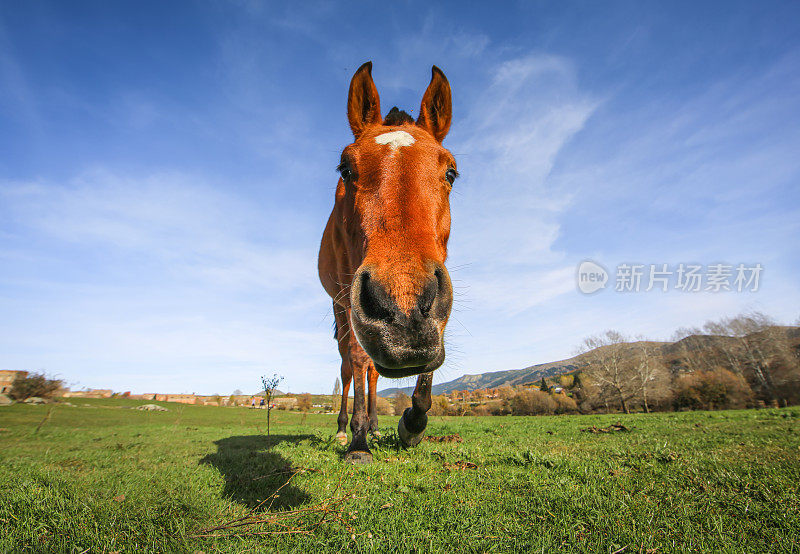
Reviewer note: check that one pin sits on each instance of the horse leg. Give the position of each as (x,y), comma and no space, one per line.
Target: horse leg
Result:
(358,451)
(372,379)
(411,427)
(342,328)
(347,376)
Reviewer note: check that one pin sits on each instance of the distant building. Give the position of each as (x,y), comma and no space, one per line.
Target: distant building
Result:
(7,378)
(213,400)
(239,400)
(181,398)
(285,403)
(91,393)
(145,396)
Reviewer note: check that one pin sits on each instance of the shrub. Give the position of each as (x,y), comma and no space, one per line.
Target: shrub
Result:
(565,404)
(715,389)
(532,402)
(498,407)
(36,384)
(384,407)
(480,410)
(440,405)
(304,402)
(401,402)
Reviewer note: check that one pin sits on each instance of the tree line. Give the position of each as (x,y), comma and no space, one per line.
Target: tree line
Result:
(737,362)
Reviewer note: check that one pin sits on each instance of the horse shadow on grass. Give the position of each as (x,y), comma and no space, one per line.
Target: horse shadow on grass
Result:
(253,471)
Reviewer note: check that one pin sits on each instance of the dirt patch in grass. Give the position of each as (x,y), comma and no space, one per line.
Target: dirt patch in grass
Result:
(444,438)
(460,465)
(614,427)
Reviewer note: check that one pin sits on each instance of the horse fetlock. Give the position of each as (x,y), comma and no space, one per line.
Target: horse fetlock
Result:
(373,428)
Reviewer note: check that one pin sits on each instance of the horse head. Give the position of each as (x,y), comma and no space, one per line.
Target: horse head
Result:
(393,200)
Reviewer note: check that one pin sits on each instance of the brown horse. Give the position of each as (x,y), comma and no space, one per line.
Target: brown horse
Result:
(383,252)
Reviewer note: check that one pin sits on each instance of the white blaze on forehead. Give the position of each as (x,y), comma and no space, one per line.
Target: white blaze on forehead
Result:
(395,139)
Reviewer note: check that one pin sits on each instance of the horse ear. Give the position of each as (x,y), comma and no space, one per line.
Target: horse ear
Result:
(436,110)
(363,102)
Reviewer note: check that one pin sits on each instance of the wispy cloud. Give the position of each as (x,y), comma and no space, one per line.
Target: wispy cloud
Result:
(160,271)
(171,219)
(17,101)
(506,213)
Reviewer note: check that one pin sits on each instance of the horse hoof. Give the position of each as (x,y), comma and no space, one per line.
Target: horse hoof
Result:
(358,457)
(342,438)
(375,434)
(406,437)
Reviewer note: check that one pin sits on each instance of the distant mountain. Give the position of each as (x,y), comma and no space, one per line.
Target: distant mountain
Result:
(512,377)
(495,379)
(276,392)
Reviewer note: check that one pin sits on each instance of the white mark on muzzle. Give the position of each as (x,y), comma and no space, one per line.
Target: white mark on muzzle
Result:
(395,139)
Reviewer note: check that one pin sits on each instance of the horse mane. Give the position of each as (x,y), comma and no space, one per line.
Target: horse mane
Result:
(397,116)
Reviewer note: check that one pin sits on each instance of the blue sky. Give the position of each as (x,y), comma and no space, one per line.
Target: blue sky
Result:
(166,170)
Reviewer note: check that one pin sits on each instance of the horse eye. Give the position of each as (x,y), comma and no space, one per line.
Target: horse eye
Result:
(451,175)
(345,171)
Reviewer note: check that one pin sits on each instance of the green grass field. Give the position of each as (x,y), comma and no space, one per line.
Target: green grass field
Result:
(102,478)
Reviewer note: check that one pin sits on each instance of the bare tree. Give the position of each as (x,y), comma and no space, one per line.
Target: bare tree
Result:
(648,368)
(769,353)
(697,351)
(743,353)
(757,348)
(605,360)
(269,391)
(684,332)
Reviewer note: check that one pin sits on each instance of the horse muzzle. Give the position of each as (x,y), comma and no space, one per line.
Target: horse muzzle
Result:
(402,342)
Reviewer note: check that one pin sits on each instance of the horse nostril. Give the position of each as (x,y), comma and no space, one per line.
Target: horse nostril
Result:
(426,299)
(375,302)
